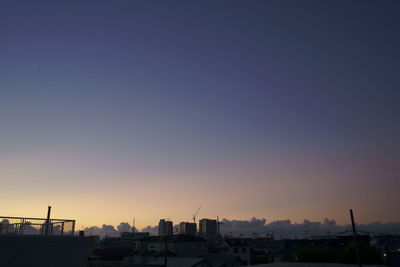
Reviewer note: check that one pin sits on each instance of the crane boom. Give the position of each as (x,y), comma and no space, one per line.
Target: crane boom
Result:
(194,215)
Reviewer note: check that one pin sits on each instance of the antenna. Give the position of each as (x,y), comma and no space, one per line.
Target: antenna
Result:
(195,214)
(133,225)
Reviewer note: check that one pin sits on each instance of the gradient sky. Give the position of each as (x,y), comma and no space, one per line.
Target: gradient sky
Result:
(111,110)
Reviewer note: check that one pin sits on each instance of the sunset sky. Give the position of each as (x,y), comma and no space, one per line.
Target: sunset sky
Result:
(111,110)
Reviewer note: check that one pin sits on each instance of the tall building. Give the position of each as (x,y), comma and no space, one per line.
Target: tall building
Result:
(208,228)
(187,228)
(165,228)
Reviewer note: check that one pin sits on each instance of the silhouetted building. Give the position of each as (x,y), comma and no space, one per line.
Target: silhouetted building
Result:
(187,228)
(177,245)
(237,247)
(208,228)
(165,228)
(134,235)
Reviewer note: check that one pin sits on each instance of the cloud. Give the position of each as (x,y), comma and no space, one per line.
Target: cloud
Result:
(152,230)
(124,227)
(104,231)
(108,230)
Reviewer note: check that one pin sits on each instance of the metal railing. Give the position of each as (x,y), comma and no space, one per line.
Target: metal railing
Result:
(36,226)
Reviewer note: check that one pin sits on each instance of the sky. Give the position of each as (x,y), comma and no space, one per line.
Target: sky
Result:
(114,110)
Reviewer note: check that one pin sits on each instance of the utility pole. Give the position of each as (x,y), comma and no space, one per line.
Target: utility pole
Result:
(165,250)
(355,238)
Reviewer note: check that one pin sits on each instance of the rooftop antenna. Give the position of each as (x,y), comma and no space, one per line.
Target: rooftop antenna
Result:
(195,214)
(133,225)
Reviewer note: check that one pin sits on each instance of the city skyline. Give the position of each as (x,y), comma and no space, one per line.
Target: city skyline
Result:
(147,110)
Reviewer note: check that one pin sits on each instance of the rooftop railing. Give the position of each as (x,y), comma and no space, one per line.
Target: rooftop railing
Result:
(21,226)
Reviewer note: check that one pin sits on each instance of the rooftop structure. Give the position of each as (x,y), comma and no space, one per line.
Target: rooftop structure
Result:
(22,226)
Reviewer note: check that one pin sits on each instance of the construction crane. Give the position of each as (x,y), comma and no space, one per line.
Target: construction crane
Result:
(194,215)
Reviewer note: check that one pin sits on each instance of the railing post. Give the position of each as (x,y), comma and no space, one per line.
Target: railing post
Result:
(21,227)
(73,228)
(62,228)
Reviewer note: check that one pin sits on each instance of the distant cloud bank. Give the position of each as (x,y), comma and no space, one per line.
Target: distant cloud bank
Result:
(108,230)
(260,228)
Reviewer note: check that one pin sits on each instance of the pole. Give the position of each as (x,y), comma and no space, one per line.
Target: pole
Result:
(47,221)
(355,238)
(219,233)
(165,250)
(21,227)
(73,228)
